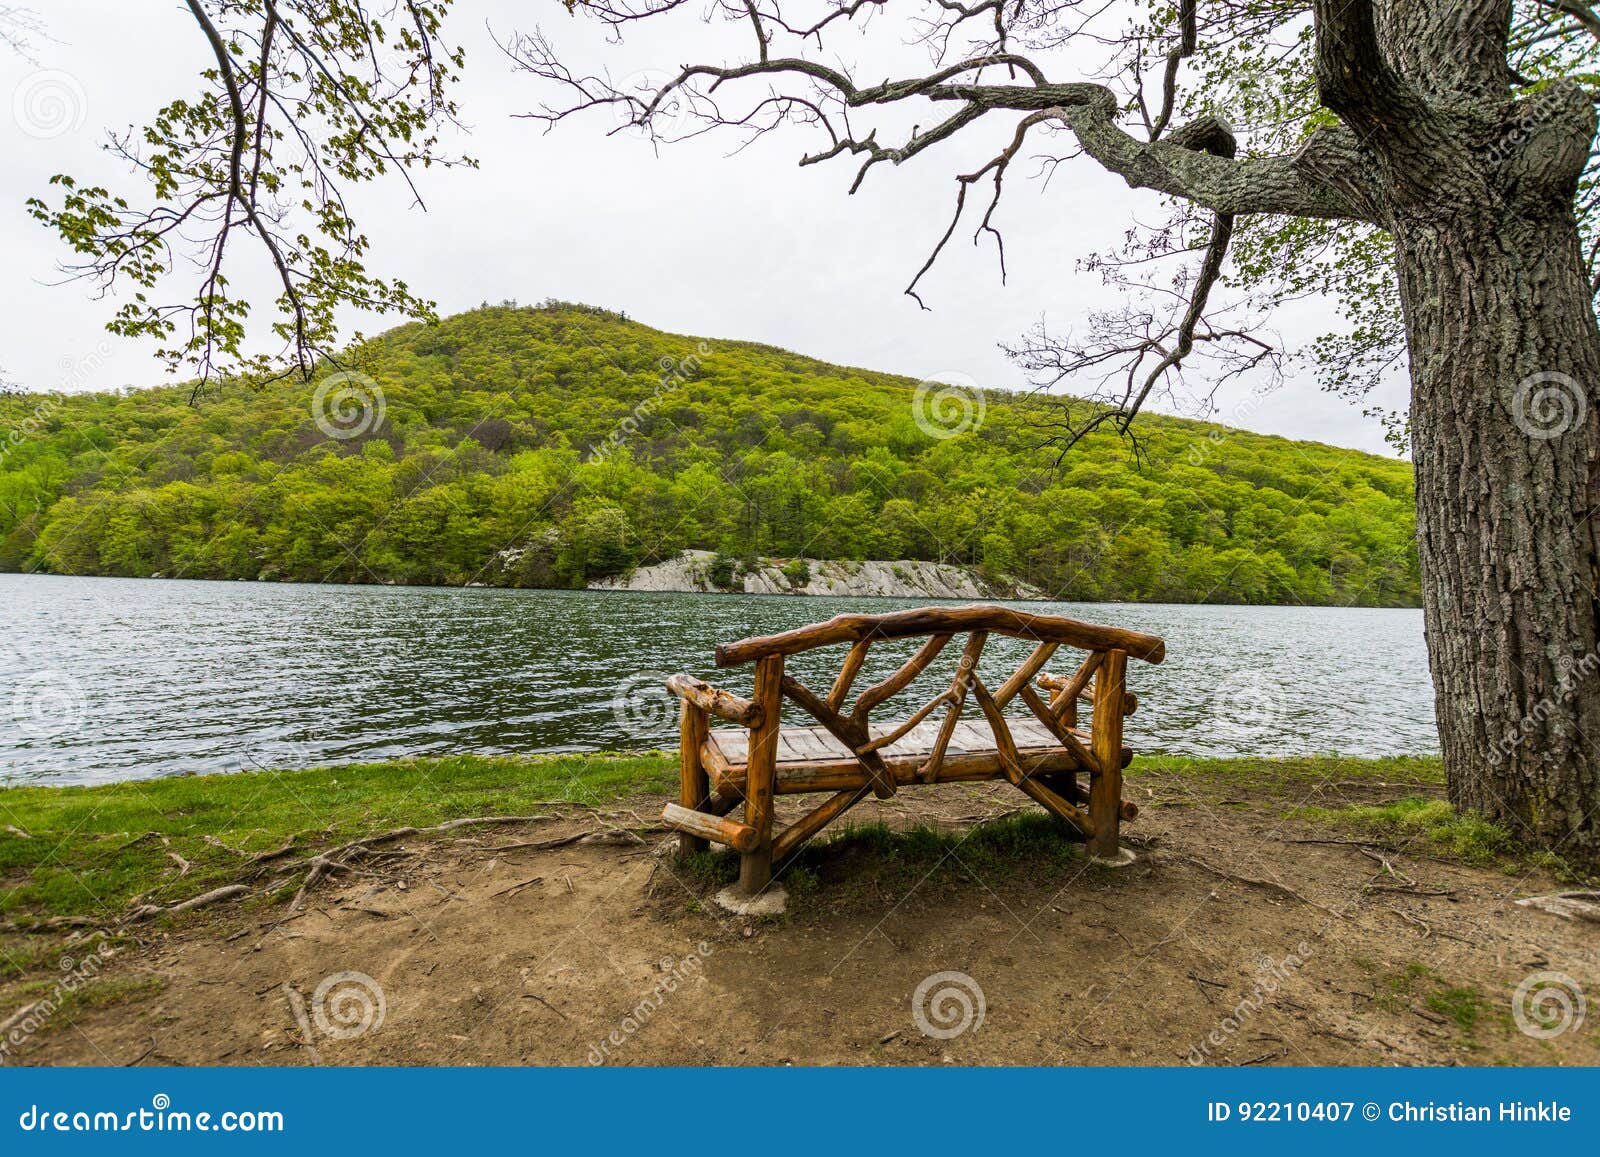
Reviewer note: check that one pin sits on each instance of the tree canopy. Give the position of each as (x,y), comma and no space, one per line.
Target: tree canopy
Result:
(302,99)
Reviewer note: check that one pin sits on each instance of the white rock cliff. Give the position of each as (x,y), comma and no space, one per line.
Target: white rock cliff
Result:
(905,579)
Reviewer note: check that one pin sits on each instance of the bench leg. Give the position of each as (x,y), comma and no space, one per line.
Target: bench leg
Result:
(1064,784)
(1105,787)
(695,784)
(755,869)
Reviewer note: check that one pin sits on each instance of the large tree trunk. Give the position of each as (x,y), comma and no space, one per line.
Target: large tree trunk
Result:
(1505,359)
(1475,175)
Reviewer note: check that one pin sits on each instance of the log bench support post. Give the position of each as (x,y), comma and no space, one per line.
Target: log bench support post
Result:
(694,726)
(1105,779)
(755,866)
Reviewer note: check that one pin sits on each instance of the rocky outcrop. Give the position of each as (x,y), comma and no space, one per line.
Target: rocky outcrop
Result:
(907,579)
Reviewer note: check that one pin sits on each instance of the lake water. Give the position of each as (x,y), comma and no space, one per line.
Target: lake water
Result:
(112,679)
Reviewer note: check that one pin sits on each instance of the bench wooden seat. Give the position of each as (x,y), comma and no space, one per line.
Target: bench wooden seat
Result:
(813,759)
(845,753)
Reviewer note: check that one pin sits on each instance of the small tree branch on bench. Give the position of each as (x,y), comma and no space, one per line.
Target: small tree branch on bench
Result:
(720,703)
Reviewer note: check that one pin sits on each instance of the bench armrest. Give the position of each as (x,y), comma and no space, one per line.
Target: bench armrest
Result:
(719,703)
(1130,701)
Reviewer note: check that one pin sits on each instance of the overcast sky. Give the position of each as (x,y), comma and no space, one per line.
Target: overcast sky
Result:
(692,240)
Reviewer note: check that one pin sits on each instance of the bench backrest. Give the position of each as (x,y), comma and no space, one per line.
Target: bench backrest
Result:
(945,620)
(1108,647)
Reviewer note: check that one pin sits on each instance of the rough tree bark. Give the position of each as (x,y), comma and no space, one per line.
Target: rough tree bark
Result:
(1477,191)
(1503,440)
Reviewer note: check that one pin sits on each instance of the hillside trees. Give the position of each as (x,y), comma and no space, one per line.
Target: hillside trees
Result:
(248,486)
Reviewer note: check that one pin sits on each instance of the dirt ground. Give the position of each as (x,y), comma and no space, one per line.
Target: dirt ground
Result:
(1227,942)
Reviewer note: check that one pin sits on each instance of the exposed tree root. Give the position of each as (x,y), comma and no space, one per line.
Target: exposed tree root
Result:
(1266,885)
(205,899)
(274,854)
(316,868)
(339,859)
(1567,905)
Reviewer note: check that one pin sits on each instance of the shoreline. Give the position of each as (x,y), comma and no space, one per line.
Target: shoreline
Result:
(1152,758)
(617,590)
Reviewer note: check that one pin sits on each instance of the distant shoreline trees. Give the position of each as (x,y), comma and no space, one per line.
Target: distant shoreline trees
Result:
(477,470)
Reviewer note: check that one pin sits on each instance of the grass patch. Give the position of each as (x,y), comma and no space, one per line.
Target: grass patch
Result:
(1460,1005)
(1394,993)
(91,850)
(1289,775)
(1433,823)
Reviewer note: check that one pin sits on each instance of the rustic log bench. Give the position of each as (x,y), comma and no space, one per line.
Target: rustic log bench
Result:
(848,755)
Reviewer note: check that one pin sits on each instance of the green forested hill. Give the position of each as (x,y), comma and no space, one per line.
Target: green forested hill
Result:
(591,444)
